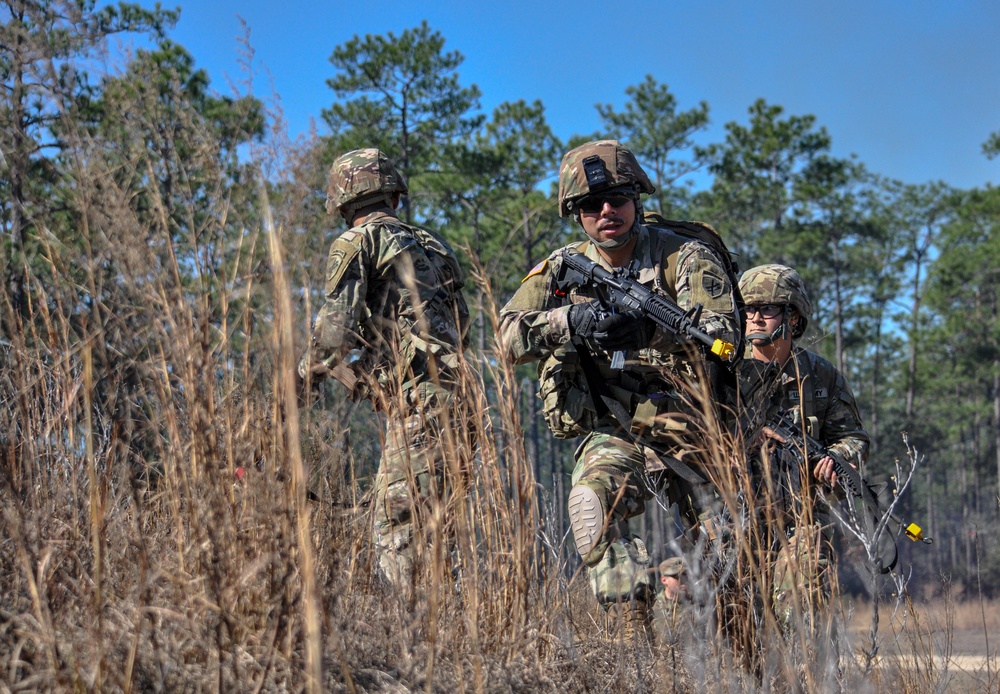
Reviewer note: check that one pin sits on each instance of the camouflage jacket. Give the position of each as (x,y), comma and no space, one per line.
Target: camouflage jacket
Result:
(393,291)
(813,387)
(534,326)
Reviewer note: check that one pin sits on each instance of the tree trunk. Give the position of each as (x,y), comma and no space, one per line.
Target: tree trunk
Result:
(838,312)
(911,370)
(965,444)
(876,370)
(18,163)
(405,163)
(930,516)
(996,424)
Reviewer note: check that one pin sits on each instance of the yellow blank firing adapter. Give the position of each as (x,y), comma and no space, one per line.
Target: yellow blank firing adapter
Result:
(915,532)
(723,350)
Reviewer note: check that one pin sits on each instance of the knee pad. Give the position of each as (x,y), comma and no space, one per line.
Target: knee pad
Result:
(622,573)
(394,503)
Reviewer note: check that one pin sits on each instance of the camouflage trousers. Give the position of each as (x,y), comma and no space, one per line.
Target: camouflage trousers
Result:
(801,577)
(612,481)
(416,476)
(799,520)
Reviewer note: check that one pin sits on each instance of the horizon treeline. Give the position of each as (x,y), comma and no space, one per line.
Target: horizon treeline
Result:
(904,278)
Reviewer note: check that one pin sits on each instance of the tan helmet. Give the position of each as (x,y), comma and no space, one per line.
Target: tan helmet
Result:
(777,284)
(597,166)
(362,177)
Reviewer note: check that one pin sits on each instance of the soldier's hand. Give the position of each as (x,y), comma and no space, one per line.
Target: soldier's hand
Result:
(582,319)
(305,386)
(772,434)
(824,472)
(626,330)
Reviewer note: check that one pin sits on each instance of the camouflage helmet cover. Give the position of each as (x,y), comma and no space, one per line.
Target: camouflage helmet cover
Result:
(360,177)
(777,284)
(597,166)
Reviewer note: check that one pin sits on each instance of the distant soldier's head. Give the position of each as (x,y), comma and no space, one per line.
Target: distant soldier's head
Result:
(360,178)
(773,290)
(599,186)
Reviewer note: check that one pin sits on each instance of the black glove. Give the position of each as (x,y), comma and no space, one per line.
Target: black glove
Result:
(628,330)
(583,319)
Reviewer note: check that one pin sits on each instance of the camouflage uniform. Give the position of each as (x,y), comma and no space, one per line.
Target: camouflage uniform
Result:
(616,473)
(814,391)
(813,388)
(393,292)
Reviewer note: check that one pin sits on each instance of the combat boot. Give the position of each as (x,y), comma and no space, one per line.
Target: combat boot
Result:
(630,621)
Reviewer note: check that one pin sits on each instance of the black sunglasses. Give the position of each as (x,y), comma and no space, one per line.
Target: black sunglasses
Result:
(595,203)
(766,310)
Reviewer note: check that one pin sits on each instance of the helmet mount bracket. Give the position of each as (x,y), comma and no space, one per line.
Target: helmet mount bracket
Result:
(593,169)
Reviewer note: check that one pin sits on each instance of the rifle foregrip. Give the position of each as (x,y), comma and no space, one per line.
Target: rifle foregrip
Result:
(851,478)
(684,323)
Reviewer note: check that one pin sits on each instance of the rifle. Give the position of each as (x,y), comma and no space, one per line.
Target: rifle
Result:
(875,509)
(619,292)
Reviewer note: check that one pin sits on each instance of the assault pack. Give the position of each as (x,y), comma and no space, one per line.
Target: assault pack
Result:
(706,233)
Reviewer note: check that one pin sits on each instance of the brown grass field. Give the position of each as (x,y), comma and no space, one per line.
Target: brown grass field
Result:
(136,557)
(172,520)
(955,645)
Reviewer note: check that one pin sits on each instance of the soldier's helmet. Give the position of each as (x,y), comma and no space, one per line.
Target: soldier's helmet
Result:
(777,284)
(362,177)
(597,166)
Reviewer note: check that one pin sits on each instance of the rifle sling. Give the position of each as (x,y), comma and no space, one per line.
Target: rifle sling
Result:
(606,403)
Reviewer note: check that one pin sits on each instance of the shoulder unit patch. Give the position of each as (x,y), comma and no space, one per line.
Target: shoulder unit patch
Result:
(537,270)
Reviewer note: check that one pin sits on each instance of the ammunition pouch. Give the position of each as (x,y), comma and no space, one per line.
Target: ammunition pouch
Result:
(658,414)
(566,402)
(659,417)
(662,416)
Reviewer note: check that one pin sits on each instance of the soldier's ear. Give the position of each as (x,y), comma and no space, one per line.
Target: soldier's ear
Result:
(395,201)
(793,317)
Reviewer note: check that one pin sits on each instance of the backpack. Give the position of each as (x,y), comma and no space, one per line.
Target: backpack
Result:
(733,395)
(698,231)
(706,233)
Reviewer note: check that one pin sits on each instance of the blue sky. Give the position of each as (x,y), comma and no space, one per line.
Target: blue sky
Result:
(910,86)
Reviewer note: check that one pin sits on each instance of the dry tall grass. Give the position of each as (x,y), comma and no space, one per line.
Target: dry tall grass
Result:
(171,521)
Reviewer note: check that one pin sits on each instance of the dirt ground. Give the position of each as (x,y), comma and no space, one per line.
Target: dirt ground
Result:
(969,642)
(942,646)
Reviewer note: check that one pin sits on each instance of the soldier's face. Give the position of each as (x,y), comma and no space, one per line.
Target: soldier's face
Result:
(608,218)
(764,320)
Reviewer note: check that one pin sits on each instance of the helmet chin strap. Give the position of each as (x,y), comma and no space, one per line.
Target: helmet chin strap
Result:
(612,244)
(618,242)
(764,339)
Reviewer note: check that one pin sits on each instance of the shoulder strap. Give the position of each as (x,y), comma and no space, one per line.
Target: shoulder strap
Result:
(705,233)
(698,231)
(664,249)
(807,374)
